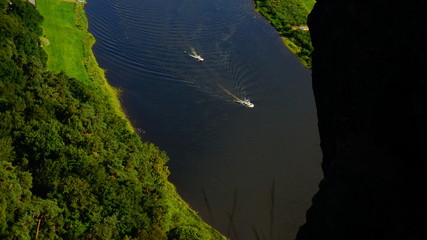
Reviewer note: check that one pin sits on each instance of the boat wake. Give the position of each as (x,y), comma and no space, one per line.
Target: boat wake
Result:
(194,54)
(211,77)
(245,102)
(178,57)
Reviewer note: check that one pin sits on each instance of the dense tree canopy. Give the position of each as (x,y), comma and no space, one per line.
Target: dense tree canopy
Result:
(69,166)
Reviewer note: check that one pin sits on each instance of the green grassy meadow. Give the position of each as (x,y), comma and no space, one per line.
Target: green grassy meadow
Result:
(66,50)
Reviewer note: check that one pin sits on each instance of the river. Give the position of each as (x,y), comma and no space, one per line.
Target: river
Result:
(227,161)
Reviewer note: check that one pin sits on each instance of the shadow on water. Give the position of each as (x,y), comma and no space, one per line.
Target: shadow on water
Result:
(258,231)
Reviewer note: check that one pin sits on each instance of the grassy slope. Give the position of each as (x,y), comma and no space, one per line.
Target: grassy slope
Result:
(66,49)
(70,51)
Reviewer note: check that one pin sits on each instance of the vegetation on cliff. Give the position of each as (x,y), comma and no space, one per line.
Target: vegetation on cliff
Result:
(285,15)
(70,46)
(70,167)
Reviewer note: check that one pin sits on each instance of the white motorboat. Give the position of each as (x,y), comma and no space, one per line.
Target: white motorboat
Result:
(198,57)
(194,54)
(246,103)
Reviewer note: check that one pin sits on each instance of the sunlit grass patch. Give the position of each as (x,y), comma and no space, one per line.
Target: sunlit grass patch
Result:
(66,49)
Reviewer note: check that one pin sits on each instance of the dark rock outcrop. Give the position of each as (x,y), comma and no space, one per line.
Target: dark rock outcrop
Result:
(370,85)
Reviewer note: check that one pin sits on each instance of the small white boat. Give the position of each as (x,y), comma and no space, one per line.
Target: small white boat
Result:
(246,103)
(194,54)
(198,57)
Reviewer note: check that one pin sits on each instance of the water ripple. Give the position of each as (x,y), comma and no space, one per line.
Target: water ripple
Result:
(153,41)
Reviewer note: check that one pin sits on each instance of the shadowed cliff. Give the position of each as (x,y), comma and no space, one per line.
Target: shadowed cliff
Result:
(370,85)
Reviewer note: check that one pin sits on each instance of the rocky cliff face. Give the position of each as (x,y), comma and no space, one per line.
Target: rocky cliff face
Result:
(370,85)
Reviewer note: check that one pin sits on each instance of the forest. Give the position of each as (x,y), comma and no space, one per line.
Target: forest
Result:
(286,14)
(70,166)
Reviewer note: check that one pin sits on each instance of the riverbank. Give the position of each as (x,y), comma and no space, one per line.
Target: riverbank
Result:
(70,47)
(285,15)
(65,26)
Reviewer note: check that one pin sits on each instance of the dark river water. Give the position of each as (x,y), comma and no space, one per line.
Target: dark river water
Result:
(226,159)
